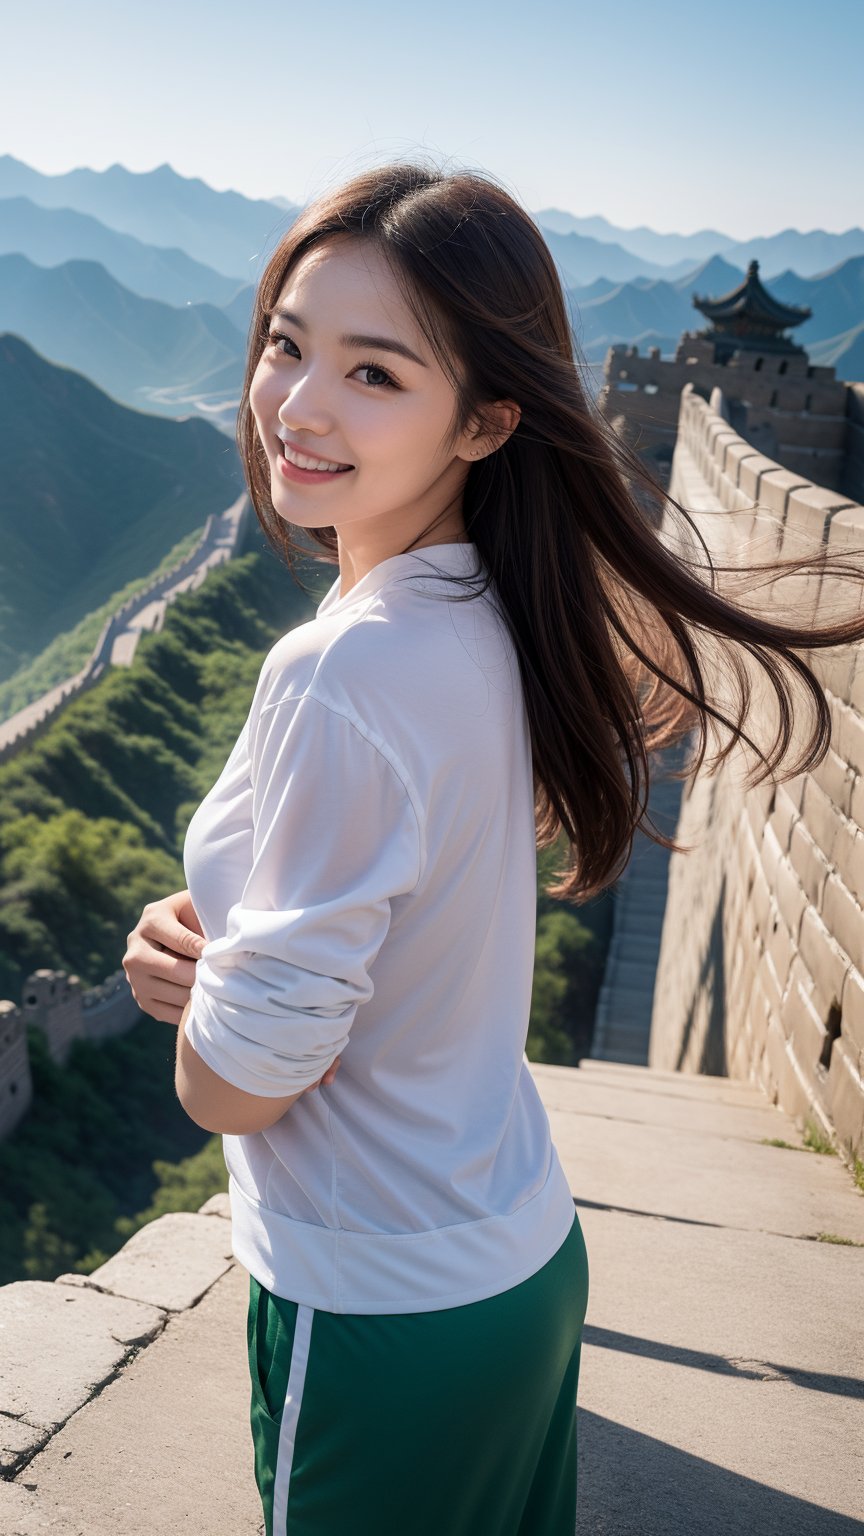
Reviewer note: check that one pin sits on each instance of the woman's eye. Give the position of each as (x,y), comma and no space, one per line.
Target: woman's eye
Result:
(373,368)
(386,382)
(276,336)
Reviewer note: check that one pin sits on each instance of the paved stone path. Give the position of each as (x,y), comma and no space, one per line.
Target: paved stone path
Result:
(720,1390)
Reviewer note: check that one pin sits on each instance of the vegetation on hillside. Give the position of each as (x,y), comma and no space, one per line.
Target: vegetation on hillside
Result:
(92,500)
(67,654)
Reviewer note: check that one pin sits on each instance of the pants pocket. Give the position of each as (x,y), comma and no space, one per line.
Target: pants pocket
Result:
(270,1324)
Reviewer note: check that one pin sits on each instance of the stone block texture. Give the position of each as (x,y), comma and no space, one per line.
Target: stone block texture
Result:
(762,947)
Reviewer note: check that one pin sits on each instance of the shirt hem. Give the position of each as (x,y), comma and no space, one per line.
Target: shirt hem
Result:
(337,1270)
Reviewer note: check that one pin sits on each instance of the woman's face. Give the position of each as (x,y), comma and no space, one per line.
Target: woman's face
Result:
(359,403)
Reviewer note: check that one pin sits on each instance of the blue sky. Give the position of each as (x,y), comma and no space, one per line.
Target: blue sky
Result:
(679,115)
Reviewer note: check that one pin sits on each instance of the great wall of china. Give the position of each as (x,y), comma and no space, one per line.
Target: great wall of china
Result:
(54,1001)
(762,948)
(221,536)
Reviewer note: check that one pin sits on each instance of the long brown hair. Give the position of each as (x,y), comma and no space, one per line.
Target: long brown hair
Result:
(606,616)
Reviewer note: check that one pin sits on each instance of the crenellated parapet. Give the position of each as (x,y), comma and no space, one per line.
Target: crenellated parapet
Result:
(16,1085)
(55,1003)
(222,535)
(51,1000)
(761,966)
(793,410)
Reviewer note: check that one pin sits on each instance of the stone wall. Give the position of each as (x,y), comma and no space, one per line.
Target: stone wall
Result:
(55,1003)
(762,949)
(16,1085)
(795,411)
(222,535)
(68,1338)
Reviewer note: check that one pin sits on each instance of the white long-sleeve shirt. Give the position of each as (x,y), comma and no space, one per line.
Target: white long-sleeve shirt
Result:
(364,870)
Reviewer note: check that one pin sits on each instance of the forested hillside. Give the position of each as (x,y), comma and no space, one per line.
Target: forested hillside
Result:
(92,495)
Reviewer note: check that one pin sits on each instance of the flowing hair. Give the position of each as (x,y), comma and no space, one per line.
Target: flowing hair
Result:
(606,616)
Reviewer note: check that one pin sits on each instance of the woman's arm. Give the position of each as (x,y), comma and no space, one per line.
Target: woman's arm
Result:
(336,837)
(217,1105)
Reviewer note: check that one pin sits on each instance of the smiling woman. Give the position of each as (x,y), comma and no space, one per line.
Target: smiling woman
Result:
(506,640)
(376,447)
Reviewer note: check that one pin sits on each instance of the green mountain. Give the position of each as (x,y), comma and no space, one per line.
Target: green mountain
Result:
(92,820)
(92,494)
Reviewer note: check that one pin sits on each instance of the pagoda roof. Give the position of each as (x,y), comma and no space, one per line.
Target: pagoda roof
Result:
(752,301)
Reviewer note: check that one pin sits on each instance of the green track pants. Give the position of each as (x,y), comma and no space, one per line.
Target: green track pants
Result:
(460,1422)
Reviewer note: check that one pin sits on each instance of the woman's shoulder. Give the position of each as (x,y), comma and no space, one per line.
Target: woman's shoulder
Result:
(406,660)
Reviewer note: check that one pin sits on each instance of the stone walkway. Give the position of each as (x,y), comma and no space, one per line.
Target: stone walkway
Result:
(721,1385)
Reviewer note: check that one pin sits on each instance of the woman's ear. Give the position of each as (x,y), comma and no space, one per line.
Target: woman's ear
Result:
(505,416)
(509,414)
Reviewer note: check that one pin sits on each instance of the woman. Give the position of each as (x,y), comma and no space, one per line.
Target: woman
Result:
(363,872)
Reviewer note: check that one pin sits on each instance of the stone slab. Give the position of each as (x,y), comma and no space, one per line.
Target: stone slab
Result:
(170,1263)
(165,1447)
(59,1345)
(703,1161)
(719,1386)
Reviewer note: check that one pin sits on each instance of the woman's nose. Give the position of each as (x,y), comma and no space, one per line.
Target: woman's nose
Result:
(305,405)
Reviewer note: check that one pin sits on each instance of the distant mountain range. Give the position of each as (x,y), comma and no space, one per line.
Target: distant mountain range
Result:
(809,253)
(91,495)
(145,281)
(223,230)
(148,354)
(50,236)
(654,312)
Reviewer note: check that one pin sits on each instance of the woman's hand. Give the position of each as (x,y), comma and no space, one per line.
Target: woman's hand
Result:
(326,1080)
(160,963)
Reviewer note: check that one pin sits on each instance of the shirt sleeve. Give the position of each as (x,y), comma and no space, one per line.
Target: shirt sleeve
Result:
(336,837)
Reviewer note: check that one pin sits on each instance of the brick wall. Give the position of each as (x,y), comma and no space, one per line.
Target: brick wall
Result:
(762,950)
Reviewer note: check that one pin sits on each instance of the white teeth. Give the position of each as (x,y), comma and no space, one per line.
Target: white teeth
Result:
(303,461)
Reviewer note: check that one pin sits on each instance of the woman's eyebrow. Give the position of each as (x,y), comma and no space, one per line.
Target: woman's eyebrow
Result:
(383,343)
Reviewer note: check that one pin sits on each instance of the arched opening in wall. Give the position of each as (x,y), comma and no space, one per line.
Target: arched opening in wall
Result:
(757,365)
(773,400)
(832,1033)
(782,368)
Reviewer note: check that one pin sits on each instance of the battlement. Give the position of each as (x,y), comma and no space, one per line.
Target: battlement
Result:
(769,983)
(56,1004)
(793,410)
(222,535)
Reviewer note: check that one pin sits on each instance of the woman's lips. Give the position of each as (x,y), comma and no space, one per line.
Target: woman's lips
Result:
(308,476)
(304,453)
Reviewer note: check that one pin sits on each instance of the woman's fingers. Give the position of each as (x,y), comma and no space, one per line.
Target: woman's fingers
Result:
(147,963)
(185,912)
(164,992)
(160,960)
(159,923)
(326,1080)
